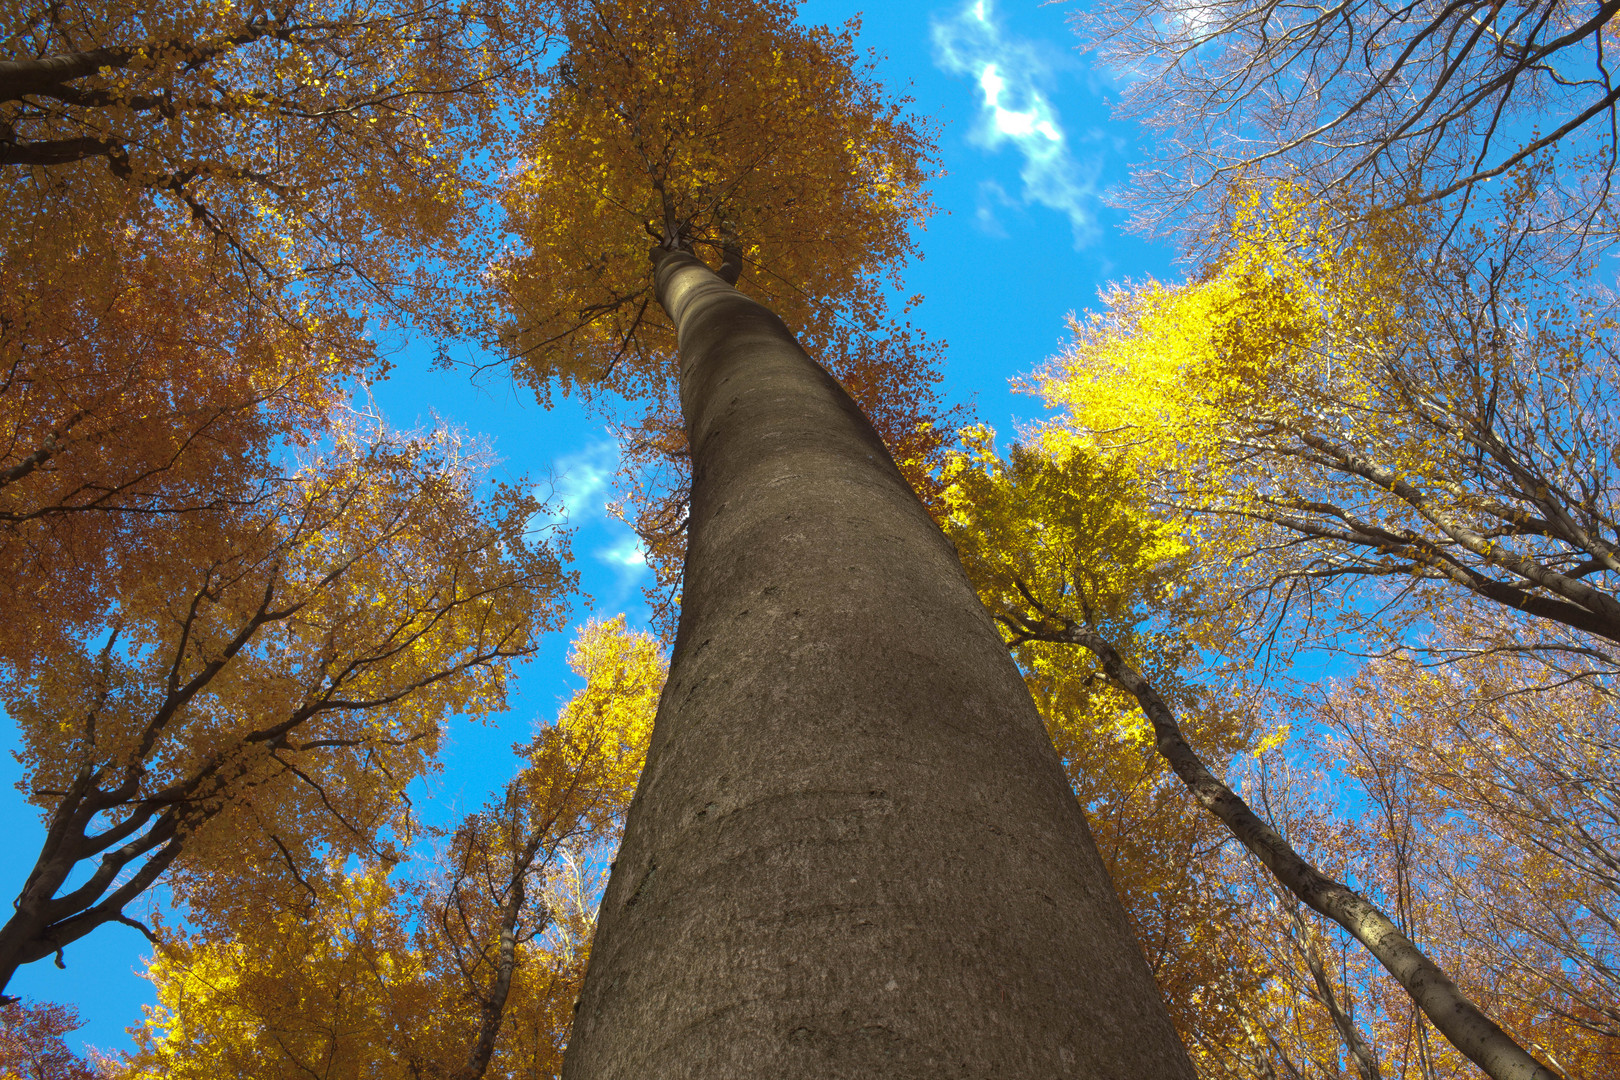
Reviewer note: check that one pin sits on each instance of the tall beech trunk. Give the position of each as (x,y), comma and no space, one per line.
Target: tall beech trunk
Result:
(853,852)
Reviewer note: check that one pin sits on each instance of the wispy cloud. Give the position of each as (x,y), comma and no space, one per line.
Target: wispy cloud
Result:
(992,196)
(626,559)
(580,483)
(1013,109)
(625,555)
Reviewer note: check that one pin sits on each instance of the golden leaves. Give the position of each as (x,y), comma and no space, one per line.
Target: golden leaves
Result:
(609,721)
(1074,531)
(725,129)
(136,392)
(374,977)
(346,129)
(1339,406)
(1070,538)
(242,618)
(1427,412)
(708,126)
(258,698)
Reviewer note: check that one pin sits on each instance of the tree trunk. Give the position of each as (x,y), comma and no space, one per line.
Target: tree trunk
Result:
(853,852)
(1451,1011)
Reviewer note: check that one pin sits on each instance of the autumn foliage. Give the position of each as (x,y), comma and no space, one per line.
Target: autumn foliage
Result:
(1348,442)
(666,124)
(330,143)
(240,610)
(241,605)
(470,967)
(32,1046)
(119,417)
(664,127)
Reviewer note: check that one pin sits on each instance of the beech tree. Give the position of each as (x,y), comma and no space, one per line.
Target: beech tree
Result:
(238,619)
(1439,429)
(1077,533)
(1513,831)
(315,140)
(580,779)
(1323,409)
(1432,989)
(1411,786)
(1031,531)
(1406,102)
(1340,411)
(258,694)
(471,968)
(32,1044)
(1328,1006)
(853,849)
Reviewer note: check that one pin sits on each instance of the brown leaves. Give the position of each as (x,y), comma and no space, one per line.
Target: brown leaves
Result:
(31,1042)
(240,618)
(1497,816)
(132,392)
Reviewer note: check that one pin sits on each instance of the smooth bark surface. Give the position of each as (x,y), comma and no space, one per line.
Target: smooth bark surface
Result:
(853,852)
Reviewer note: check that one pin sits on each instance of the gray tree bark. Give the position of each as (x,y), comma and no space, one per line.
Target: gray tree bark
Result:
(853,852)
(1451,1011)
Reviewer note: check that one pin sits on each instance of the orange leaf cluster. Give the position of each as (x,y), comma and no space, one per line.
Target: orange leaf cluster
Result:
(241,614)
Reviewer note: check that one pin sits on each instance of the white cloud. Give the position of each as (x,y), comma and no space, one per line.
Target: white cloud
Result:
(991,196)
(627,561)
(1013,109)
(580,482)
(626,554)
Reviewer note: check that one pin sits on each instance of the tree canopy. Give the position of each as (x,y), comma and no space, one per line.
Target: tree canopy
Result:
(1311,571)
(468,971)
(767,147)
(241,608)
(1408,103)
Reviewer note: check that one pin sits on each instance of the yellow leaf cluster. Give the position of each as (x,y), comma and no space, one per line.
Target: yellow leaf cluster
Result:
(1343,394)
(610,720)
(1167,371)
(1334,404)
(1073,530)
(1051,541)
(361,976)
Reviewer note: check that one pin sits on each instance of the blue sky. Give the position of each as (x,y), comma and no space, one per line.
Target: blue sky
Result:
(1023,237)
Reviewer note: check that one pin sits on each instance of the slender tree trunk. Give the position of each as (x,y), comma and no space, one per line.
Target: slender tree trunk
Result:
(492,1003)
(853,852)
(1452,1012)
(1361,1052)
